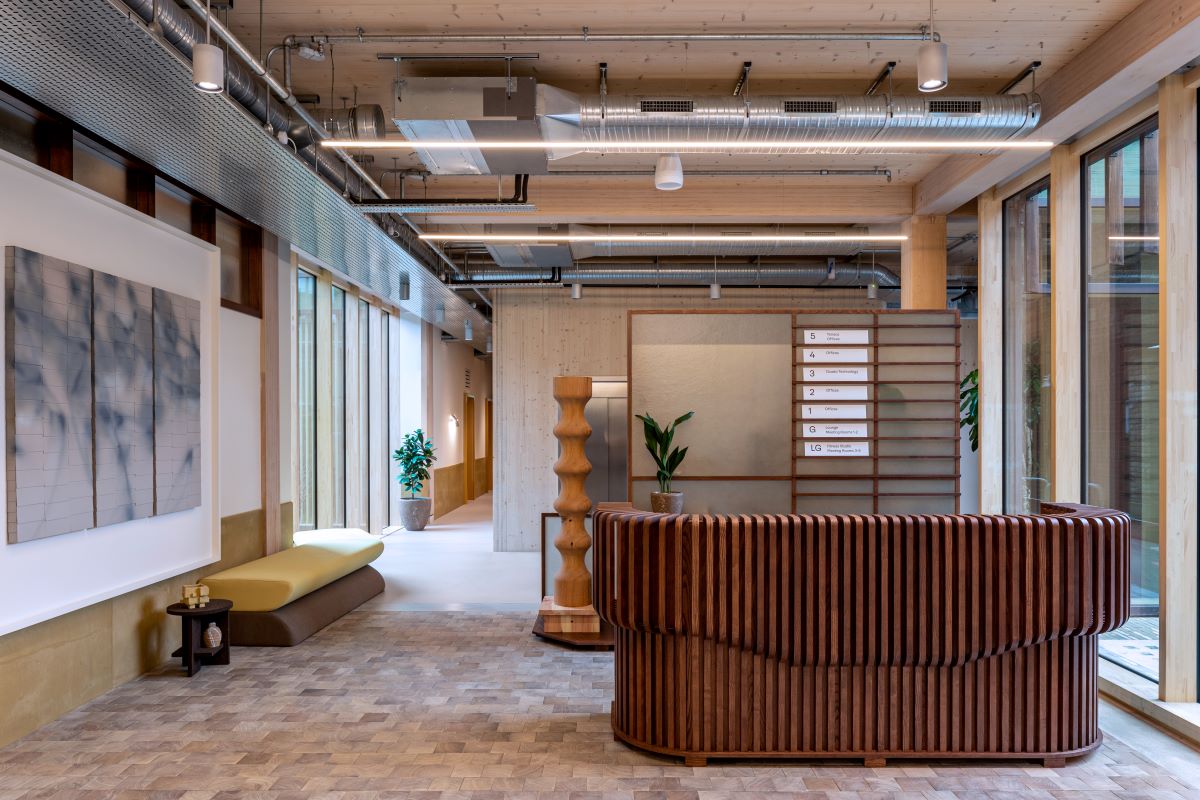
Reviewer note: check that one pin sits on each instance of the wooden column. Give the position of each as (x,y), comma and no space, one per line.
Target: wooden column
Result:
(1177,353)
(54,142)
(140,189)
(923,263)
(573,584)
(270,396)
(1066,266)
(991,353)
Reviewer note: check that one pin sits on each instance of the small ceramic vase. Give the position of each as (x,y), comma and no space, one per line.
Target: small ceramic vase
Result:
(212,635)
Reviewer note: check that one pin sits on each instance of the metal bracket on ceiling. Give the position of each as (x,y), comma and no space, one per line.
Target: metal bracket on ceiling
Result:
(1029,71)
(884,74)
(743,81)
(603,88)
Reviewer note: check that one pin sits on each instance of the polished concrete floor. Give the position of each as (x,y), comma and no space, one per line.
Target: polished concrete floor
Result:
(451,566)
(424,704)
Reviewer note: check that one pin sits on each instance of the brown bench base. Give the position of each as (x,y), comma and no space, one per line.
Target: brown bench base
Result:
(299,619)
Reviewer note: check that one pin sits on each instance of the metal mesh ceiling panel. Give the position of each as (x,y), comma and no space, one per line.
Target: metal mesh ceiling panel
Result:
(88,60)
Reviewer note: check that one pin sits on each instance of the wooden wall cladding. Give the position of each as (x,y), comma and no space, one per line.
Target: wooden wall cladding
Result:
(869,637)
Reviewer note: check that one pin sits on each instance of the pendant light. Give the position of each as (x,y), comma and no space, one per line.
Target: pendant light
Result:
(576,291)
(668,173)
(208,61)
(933,62)
(468,332)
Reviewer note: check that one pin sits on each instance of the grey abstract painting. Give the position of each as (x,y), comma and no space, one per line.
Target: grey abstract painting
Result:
(176,402)
(49,396)
(123,344)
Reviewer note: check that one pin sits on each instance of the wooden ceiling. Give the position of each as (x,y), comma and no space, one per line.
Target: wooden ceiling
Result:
(989,43)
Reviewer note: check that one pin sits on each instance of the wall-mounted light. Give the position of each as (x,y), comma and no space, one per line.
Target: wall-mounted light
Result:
(668,173)
(714,291)
(576,291)
(455,421)
(208,61)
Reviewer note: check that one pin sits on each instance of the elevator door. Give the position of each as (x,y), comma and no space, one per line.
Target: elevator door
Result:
(607,447)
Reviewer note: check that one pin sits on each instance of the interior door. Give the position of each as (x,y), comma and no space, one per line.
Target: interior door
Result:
(468,447)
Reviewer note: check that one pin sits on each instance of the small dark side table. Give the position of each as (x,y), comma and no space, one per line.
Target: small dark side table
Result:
(195,620)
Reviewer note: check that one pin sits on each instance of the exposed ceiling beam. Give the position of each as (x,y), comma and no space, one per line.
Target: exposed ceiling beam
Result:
(1157,38)
(633,199)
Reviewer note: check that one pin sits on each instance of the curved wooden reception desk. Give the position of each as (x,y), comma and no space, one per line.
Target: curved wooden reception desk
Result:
(868,637)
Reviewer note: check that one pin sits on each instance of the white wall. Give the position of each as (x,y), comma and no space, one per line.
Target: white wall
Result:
(241,412)
(49,214)
(450,362)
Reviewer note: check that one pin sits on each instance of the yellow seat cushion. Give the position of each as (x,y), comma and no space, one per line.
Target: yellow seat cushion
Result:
(266,584)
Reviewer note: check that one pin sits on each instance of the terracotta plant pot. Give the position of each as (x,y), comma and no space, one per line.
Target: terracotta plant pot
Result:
(415,512)
(666,502)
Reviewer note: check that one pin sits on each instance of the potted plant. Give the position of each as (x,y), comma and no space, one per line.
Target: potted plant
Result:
(414,458)
(968,407)
(658,443)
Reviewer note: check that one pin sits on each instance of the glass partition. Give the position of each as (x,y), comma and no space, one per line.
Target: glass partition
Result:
(338,405)
(1027,410)
(1120,403)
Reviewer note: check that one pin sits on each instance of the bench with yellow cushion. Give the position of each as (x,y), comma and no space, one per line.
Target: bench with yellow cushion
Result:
(284,598)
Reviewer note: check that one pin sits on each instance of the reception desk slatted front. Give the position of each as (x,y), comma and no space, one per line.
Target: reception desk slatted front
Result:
(868,637)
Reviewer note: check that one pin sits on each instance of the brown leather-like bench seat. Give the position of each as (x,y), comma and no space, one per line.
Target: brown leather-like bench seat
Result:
(293,623)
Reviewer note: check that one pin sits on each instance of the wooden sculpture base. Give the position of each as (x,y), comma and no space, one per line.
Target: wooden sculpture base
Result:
(580,628)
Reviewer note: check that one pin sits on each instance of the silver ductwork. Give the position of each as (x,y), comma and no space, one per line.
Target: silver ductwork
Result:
(650,274)
(786,123)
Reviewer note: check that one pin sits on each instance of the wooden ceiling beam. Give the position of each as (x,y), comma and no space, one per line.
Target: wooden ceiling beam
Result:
(633,199)
(1128,60)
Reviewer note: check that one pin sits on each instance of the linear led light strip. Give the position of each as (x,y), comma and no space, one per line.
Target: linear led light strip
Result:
(648,238)
(684,146)
(1133,238)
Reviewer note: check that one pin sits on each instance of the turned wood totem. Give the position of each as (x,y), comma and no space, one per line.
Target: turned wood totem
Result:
(573,584)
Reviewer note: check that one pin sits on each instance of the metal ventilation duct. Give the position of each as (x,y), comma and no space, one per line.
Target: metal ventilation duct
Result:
(139,96)
(845,275)
(784,124)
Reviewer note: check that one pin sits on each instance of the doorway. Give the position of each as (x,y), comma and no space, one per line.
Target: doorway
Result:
(487,444)
(468,432)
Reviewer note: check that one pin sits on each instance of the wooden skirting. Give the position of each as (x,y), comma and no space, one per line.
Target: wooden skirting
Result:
(860,636)
(447,489)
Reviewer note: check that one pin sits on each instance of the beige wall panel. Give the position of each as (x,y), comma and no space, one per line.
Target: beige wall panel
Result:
(1177,450)
(447,489)
(543,333)
(734,371)
(991,352)
(1066,344)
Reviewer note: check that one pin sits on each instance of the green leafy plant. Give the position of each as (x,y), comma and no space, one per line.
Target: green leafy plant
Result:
(968,407)
(414,457)
(658,443)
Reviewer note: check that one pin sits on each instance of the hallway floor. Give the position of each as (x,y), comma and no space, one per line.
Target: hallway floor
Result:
(421,704)
(451,566)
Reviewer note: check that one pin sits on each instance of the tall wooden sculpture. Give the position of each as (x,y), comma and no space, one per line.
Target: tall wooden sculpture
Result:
(568,616)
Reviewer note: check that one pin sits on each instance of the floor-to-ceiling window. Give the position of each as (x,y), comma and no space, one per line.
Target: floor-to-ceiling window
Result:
(364,409)
(306,400)
(338,404)
(1027,408)
(385,370)
(1121,368)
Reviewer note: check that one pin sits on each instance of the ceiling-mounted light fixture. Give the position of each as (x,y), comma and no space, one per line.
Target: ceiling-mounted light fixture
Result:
(488,346)
(568,238)
(838,146)
(576,291)
(668,173)
(208,61)
(311,51)
(714,291)
(933,62)
(872,290)
(468,332)
(439,314)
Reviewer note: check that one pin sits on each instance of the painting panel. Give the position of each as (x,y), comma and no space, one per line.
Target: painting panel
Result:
(123,345)
(49,394)
(177,431)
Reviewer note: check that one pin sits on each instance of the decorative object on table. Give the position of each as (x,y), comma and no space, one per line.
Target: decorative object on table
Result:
(968,407)
(107,371)
(568,616)
(213,636)
(415,457)
(195,651)
(195,594)
(658,444)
